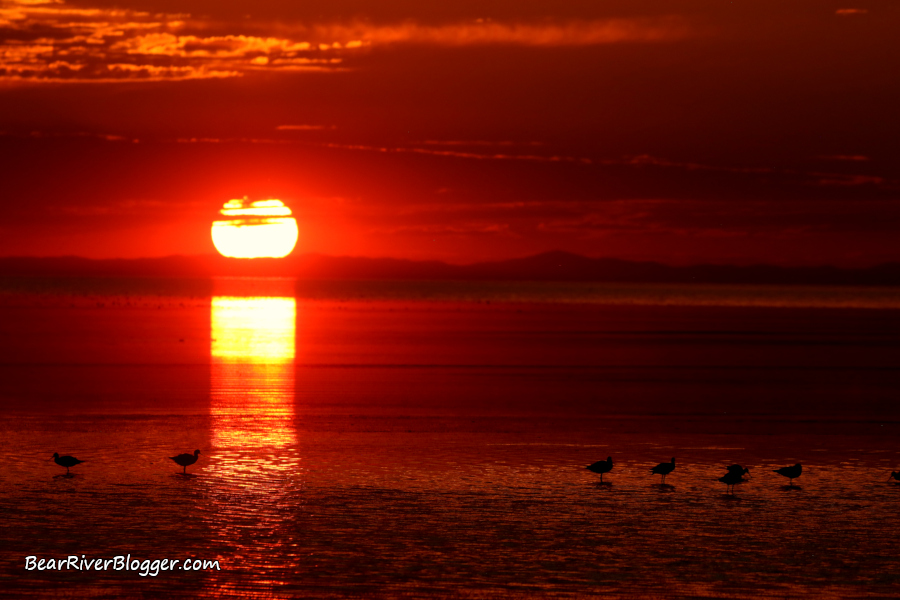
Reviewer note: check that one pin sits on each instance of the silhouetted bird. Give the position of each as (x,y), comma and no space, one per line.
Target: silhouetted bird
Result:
(601,467)
(186,459)
(66,461)
(894,475)
(790,472)
(664,469)
(731,478)
(738,469)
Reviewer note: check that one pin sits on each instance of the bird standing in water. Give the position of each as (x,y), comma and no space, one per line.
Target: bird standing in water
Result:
(790,472)
(601,467)
(731,478)
(66,461)
(738,469)
(186,459)
(664,469)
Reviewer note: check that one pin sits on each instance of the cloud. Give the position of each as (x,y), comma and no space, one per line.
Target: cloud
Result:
(639,161)
(712,218)
(809,177)
(849,12)
(483,32)
(459,154)
(847,179)
(849,157)
(225,46)
(466,229)
(46,40)
(244,140)
(304,127)
(476,143)
(108,137)
(114,208)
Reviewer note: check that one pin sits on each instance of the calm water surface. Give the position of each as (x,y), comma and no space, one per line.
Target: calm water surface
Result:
(360,443)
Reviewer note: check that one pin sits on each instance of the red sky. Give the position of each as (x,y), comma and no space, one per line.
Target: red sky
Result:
(676,131)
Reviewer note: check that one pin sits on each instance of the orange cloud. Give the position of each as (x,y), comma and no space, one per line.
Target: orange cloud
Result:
(481,32)
(229,46)
(93,44)
(847,12)
(99,44)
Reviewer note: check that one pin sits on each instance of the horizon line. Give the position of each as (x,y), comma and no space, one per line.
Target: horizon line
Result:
(247,261)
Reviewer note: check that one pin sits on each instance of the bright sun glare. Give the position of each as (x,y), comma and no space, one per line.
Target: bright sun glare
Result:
(252,377)
(255,229)
(253,330)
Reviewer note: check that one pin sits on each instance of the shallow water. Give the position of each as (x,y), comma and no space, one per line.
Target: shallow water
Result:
(419,448)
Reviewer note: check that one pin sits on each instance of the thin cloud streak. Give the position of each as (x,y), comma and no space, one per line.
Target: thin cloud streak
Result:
(305,127)
(476,143)
(811,178)
(457,229)
(457,154)
(708,218)
(485,32)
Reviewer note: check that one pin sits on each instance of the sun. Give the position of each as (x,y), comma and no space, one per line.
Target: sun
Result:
(255,229)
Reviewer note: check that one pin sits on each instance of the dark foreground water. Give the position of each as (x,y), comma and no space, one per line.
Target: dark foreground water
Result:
(394,442)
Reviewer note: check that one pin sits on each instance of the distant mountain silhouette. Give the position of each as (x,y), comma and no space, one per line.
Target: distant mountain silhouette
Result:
(548,266)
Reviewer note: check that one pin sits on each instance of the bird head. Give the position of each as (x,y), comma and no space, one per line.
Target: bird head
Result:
(673,460)
(55,456)
(196,452)
(894,476)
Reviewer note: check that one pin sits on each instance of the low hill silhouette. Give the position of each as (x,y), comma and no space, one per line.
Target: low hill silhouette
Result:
(548,266)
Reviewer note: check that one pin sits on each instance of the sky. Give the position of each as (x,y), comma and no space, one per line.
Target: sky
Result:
(677,131)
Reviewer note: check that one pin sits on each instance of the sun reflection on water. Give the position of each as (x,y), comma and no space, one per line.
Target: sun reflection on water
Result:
(254,438)
(253,330)
(252,381)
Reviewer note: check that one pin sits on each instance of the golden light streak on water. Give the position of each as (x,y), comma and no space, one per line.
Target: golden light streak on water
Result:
(253,434)
(253,330)
(252,381)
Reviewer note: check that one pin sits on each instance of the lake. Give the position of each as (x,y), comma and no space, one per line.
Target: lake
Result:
(429,439)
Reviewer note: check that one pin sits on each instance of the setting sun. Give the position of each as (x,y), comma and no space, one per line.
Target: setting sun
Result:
(255,229)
